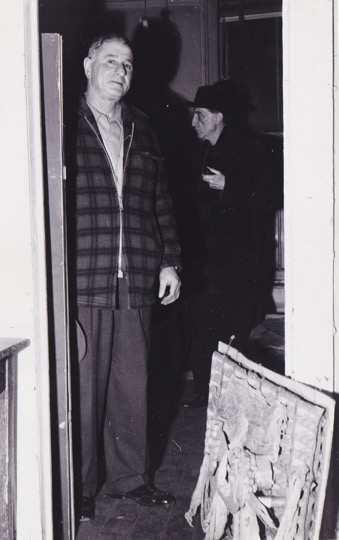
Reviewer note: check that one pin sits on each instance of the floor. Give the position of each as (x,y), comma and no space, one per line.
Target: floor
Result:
(179,454)
(125,520)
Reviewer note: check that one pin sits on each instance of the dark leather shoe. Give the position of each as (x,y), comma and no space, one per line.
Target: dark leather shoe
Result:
(197,401)
(87,510)
(147,496)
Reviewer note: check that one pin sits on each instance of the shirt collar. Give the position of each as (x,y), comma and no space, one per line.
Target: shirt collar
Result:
(98,114)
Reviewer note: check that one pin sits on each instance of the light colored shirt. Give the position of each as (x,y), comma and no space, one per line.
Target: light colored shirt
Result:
(112,132)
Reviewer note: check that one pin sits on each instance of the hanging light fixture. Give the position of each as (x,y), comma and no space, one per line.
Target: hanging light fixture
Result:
(143,20)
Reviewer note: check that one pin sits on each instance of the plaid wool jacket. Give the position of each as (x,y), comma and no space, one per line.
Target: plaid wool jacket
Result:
(148,229)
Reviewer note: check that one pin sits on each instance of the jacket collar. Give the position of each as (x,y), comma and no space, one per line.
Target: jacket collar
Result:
(127,119)
(126,115)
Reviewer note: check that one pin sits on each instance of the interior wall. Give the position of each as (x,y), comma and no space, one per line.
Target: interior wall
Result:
(23,312)
(189,21)
(309,225)
(185,21)
(336,192)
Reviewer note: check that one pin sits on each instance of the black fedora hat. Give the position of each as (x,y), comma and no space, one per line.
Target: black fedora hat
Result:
(227,96)
(209,97)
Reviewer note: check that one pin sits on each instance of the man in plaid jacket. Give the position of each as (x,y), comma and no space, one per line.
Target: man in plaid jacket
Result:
(126,254)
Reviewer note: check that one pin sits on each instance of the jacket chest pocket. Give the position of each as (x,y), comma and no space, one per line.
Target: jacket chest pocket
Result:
(147,164)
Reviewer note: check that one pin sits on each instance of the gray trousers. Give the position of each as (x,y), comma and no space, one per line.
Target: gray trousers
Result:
(113,394)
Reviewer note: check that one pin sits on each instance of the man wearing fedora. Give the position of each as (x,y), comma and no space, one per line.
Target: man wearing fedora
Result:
(234,201)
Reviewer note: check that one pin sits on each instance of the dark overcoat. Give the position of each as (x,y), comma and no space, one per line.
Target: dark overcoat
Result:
(232,229)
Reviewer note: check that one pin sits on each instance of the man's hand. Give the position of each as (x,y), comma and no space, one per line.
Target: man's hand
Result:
(216,180)
(170,284)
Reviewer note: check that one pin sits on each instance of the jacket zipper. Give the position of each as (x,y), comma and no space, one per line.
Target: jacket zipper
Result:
(120,198)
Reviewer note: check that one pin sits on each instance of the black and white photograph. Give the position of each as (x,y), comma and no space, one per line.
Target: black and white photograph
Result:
(169,355)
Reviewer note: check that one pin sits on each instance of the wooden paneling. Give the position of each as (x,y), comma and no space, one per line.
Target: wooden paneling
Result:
(9,349)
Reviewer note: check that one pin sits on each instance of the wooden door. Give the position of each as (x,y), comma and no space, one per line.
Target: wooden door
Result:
(63,505)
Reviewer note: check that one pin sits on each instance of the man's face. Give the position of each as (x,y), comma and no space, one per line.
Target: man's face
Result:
(110,70)
(205,123)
